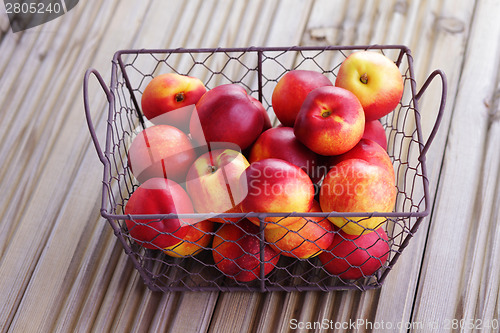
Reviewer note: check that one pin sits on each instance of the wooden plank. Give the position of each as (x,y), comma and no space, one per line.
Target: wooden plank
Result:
(117,293)
(235,321)
(93,283)
(26,150)
(13,267)
(4,23)
(482,280)
(456,217)
(403,278)
(18,262)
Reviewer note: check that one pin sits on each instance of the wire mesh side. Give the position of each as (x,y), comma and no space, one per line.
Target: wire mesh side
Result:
(258,71)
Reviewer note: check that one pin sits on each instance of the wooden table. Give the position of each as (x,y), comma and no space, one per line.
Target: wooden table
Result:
(62,269)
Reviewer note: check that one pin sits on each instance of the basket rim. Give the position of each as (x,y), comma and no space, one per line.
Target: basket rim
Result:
(401,47)
(263,215)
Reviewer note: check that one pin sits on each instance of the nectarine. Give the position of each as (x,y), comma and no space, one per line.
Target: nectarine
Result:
(280,142)
(227,114)
(169,99)
(236,252)
(291,91)
(356,256)
(276,186)
(305,238)
(158,196)
(330,122)
(198,238)
(161,151)
(374,79)
(213,182)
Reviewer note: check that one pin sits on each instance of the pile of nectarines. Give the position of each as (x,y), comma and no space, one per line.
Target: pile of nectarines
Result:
(215,151)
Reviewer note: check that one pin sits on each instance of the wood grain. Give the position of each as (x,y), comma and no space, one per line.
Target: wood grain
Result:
(61,267)
(456,217)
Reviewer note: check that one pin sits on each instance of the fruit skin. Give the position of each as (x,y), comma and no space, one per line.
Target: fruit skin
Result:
(227,114)
(236,251)
(291,91)
(213,182)
(355,256)
(197,239)
(280,142)
(303,239)
(267,120)
(276,186)
(384,83)
(161,151)
(158,196)
(355,185)
(331,121)
(170,98)
(369,151)
(374,130)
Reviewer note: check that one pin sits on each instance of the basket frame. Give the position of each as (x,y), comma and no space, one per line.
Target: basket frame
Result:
(113,219)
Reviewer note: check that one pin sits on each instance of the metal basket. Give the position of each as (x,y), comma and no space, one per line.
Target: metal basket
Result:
(257,69)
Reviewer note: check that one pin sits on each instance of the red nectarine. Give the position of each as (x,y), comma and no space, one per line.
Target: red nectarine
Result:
(356,256)
(161,151)
(169,99)
(330,122)
(276,186)
(158,196)
(374,79)
(227,114)
(291,91)
(236,252)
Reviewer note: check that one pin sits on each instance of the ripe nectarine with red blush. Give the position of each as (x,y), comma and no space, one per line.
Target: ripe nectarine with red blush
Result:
(227,113)
(161,151)
(305,238)
(280,142)
(158,196)
(236,252)
(169,99)
(356,256)
(276,186)
(374,130)
(197,239)
(355,185)
(374,79)
(330,122)
(213,182)
(291,91)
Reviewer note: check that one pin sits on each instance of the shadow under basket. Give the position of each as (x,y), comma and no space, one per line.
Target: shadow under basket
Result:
(258,70)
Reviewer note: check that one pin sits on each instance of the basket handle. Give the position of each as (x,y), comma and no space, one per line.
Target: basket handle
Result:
(441,107)
(90,124)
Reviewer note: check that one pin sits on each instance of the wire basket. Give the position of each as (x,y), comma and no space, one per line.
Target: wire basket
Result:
(258,70)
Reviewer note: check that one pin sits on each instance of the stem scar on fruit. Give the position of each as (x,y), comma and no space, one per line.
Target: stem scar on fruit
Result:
(212,169)
(326,113)
(364,78)
(179,97)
